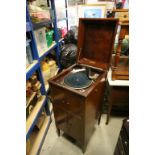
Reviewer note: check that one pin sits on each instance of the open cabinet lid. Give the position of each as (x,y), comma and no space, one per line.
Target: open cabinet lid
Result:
(95,41)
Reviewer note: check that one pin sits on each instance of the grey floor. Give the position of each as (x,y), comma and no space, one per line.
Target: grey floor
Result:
(102,142)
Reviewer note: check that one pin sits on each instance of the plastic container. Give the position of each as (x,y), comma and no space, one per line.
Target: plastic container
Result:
(46,71)
(40,36)
(53,68)
(49,38)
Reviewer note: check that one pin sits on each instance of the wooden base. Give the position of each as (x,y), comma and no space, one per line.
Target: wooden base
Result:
(120,77)
(120,73)
(118,96)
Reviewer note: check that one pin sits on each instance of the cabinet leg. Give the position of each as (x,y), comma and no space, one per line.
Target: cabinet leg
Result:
(83,149)
(107,121)
(108,114)
(99,119)
(58,131)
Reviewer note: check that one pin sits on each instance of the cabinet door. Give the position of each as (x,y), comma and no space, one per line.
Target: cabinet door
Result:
(75,127)
(74,105)
(68,101)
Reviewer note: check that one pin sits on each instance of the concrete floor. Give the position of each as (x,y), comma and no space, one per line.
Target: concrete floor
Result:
(102,142)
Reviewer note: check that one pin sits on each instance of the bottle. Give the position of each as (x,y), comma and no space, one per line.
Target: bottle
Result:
(46,71)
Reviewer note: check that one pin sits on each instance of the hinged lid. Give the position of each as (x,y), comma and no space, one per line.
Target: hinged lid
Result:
(95,41)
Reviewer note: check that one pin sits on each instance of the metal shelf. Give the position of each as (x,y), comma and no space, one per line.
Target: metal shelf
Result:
(40,137)
(60,40)
(28,101)
(31,120)
(45,52)
(28,27)
(31,69)
(41,24)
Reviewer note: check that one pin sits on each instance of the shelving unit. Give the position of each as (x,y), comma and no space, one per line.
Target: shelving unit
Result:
(41,24)
(31,120)
(35,67)
(39,138)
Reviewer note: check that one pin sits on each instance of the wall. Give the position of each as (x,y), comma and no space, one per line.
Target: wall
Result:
(99,2)
(74,12)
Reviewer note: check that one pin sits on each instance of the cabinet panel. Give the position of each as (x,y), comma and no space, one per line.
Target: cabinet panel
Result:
(92,108)
(119,95)
(74,105)
(75,128)
(68,101)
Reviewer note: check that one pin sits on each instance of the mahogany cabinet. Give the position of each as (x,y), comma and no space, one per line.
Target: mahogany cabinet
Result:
(77,110)
(76,113)
(120,63)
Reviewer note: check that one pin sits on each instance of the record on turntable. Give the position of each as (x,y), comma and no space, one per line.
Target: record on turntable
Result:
(78,80)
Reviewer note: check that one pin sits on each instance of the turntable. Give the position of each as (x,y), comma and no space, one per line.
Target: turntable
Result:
(77,92)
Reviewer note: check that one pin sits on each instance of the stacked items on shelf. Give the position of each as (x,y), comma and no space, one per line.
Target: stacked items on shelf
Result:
(38,12)
(31,59)
(61,33)
(33,94)
(37,121)
(44,39)
(40,15)
(49,68)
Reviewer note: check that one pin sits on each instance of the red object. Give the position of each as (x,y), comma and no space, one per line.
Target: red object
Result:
(63,31)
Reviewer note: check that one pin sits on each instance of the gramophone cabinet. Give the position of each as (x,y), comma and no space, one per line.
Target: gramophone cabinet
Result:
(76,111)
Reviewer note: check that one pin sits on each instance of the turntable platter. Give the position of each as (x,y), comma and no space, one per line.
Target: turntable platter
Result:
(77,80)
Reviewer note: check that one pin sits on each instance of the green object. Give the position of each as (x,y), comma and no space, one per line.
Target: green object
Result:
(124,46)
(49,38)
